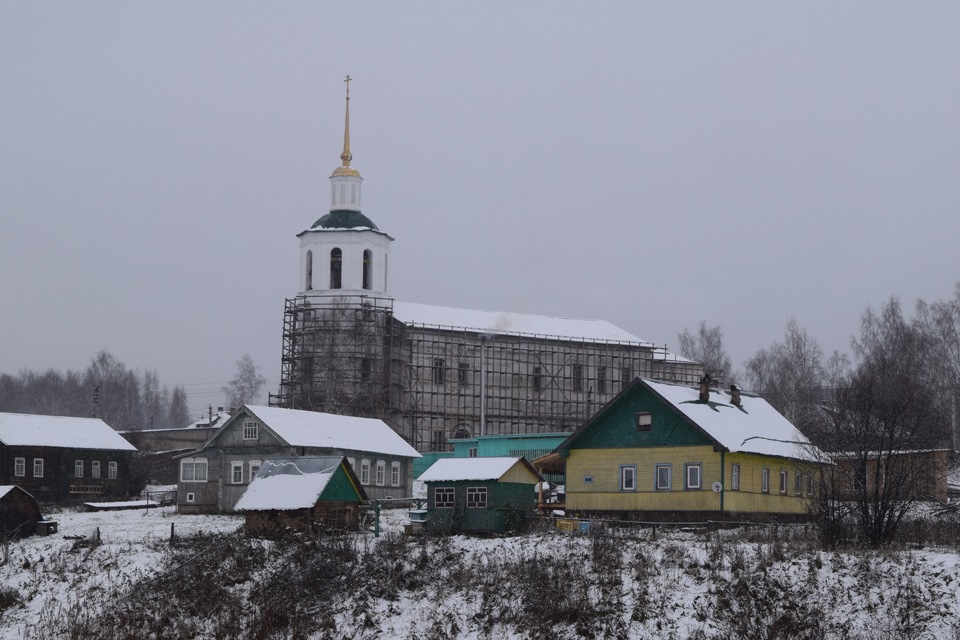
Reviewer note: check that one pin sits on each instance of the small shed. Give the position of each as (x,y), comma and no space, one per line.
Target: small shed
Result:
(302,494)
(19,512)
(481,495)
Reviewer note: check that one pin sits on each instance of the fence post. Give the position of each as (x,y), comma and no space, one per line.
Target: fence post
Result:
(171,533)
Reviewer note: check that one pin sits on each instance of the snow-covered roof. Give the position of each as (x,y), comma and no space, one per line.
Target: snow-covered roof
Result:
(753,427)
(507,323)
(452,469)
(288,483)
(7,488)
(18,429)
(314,429)
(208,421)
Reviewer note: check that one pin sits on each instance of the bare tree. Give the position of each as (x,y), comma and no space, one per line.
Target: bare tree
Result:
(245,387)
(178,414)
(941,322)
(707,347)
(882,420)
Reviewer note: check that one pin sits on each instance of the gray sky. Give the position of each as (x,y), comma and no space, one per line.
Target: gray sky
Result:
(649,164)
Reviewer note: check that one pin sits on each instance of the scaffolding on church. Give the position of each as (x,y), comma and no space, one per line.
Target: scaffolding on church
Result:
(431,383)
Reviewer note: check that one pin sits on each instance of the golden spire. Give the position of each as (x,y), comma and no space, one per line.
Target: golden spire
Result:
(346,156)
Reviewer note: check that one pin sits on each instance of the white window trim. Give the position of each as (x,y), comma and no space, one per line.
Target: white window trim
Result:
(784,481)
(254,467)
(78,468)
(479,497)
(381,474)
(20,467)
(38,467)
(112,470)
(625,471)
(687,484)
(656,477)
(251,429)
(364,472)
(764,480)
(191,497)
(195,463)
(735,477)
(235,466)
(797,483)
(446,503)
(395,474)
(95,469)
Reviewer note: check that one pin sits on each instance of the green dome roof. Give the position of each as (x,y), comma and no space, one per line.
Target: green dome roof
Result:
(344,219)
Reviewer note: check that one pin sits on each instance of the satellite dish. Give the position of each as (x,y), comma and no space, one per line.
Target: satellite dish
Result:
(717,487)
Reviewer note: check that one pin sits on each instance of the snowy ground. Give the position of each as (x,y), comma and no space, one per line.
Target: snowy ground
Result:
(547,584)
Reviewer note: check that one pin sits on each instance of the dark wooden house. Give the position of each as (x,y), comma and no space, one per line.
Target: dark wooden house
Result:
(19,512)
(302,494)
(61,458)
(480,495)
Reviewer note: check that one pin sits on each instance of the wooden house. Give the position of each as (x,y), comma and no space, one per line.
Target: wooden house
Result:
(480,495)
(923,473)
(213,477)
(302,494)
(62,458)
(19,512)
(661,451)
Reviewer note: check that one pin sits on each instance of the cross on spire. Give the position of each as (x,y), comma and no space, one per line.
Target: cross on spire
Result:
(346,156)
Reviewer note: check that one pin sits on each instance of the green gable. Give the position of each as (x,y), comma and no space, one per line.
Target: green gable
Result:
(340,488)
(615,426)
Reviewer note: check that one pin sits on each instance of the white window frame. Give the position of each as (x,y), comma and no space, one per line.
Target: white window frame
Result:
(472,452)
(810,481)
(765,480)
(38,467)
(364,472)
(688,483)
(395,474)
(657,485)
(628,477)
(735,477)
(236,472)
(251,429)
(78,468)
(112,470)
(20,467)
(254,468)
(381,476)
(476,497)
(783,481)
(191,497)
(190,469)
(95,469)
(797,483)
(444,497)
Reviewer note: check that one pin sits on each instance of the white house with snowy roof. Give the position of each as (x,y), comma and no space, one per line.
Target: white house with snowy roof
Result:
(213,477)
(61,457)
(435,373)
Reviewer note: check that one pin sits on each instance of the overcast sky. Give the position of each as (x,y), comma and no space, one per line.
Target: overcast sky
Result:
(649,164)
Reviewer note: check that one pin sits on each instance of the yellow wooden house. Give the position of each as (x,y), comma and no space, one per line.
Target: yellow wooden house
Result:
(668,451)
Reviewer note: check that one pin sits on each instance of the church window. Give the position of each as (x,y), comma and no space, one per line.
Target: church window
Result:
(336,265)
(353,194)
(439,371)
(537,379)
(309,271)
(578,377)
(463,373)
(625,376)
(601,379)
(343,193)
(367,260)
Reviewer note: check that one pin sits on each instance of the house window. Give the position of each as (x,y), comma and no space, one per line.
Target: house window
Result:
(254,469)
(309,273)
(663,477)
(38,467)
(783,480)
(191,470)
(463,373)
(20,467)
(367,265)
(644,421)
(381,472)
(112,470)
(735,477)
(364,472)
(336,268)
(95,469)
(353,464)
(798,483)
(191,497)
(765,480)
(810,484)
(443,497)
(250,430)
(601,379)
(472,452)
(628,477)
(537,379)
(395,474)
(587,479)
(439,370)
(693,476)
(78,469)
(236,472)
(476,497)
(578,377)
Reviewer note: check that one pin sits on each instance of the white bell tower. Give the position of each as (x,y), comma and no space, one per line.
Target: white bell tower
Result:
(344,254)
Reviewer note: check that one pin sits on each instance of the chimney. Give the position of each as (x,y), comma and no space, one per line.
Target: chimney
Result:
(705,388)
(219,409)
(735,395)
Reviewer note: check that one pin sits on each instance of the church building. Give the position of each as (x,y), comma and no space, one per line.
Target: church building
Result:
(437,373)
